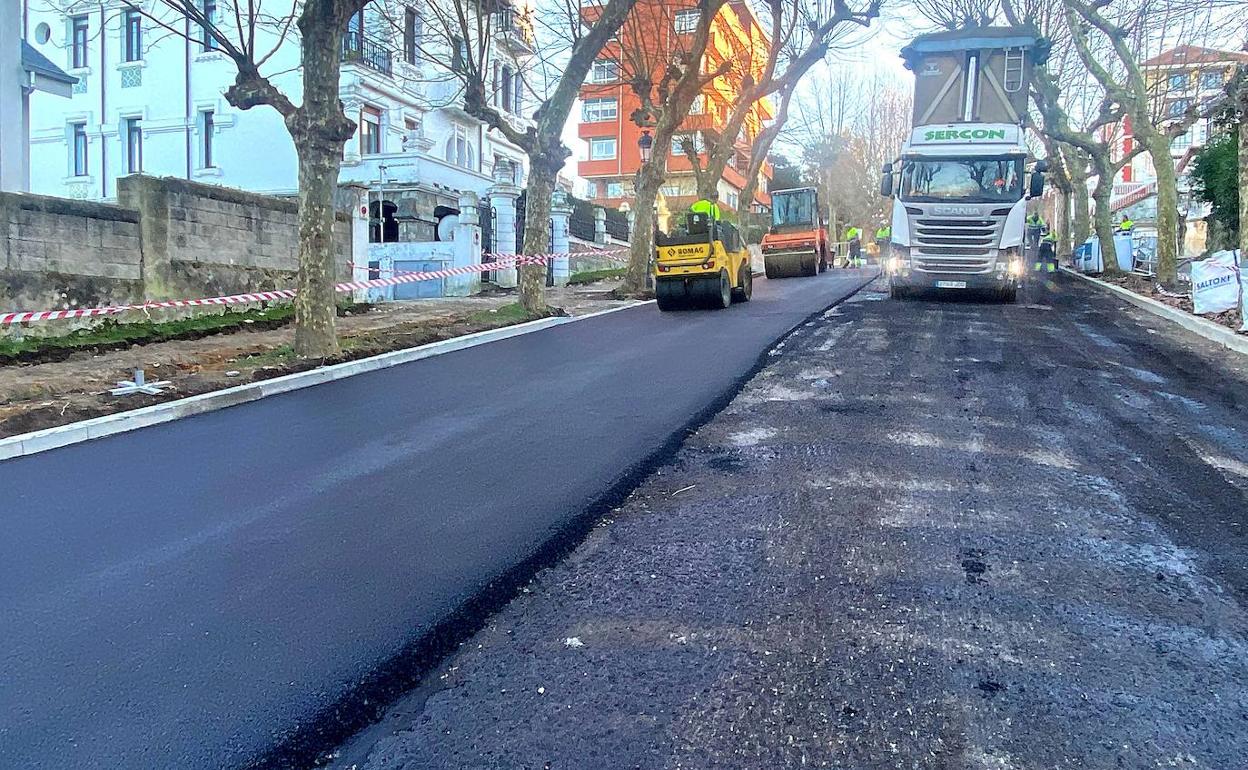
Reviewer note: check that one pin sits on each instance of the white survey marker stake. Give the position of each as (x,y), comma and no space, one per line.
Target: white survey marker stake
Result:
(139,385)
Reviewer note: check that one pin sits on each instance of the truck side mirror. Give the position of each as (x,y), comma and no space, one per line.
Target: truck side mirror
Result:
(886,181)
(1037,184)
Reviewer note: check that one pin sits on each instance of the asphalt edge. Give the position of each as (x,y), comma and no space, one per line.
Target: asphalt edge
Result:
(1209,330)
(373,696)
(34,442)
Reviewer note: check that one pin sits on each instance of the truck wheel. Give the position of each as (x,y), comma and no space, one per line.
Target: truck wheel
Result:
(746,290)
(1009,295)
(723,298)
(896,292)
(770,269)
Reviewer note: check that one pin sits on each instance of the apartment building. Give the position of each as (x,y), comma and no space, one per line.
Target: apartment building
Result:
(1178,79)
(611,153)
(149,98)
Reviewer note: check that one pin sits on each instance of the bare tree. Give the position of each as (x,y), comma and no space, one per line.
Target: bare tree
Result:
(662,65)
(956,14)
(849,124)
(1126,39)
(468,28)
(251,36)
(801,34)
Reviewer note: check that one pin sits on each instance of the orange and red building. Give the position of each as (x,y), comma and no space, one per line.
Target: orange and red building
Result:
(652,33)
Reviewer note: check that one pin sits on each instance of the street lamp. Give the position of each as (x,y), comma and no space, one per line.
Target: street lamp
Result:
(645,143)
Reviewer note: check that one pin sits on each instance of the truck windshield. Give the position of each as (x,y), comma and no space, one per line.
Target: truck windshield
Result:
(793,208)
(983,180)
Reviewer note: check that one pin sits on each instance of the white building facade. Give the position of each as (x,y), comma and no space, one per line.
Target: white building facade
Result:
(151,101)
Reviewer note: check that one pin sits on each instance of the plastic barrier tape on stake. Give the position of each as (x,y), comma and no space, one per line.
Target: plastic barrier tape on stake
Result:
(501,261)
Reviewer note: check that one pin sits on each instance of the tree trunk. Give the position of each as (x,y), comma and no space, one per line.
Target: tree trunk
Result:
(1061,222)
(747,198)
(708,184)
(532,278)
(319,129)
(1104,221)
(1243,172)
(315,336)
(1081,225)
(641,247)
(1167,208)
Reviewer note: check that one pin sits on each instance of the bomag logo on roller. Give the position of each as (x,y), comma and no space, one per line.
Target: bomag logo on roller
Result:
(686,251)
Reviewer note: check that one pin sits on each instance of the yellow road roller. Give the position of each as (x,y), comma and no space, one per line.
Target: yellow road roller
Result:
(703,264)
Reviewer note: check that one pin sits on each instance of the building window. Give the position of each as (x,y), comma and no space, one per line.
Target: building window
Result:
(207,127)
(507,84)
(615,189)
(599,109)
(517,94)
(699,105)
(687,21)
(458,149)
(1178,81)
(734,200)
(132,29)
(459,54)
(602,148)
(209,9)
(1211,80)
(1176,108)
(604,71)
(1182,141)
(78,40)
(78,148)
(134,145)
(678,143)
(670,191)
(412,29)
(370,131)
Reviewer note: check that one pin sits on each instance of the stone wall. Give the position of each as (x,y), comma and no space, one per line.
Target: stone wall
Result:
(59,253)
(164,239)
(205,240)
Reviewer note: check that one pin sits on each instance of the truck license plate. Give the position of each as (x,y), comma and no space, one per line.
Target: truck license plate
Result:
(951,284)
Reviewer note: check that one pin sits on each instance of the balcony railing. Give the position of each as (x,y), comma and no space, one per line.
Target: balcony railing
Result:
(358,48)
(516,24)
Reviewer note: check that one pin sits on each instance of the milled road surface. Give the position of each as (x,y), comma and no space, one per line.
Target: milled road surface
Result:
(231,588)
(927,535)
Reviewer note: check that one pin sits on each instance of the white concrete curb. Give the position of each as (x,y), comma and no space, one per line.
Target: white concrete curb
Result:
(122,422)
(1211,331)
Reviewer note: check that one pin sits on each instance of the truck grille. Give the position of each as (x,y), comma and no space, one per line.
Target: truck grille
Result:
(955,245)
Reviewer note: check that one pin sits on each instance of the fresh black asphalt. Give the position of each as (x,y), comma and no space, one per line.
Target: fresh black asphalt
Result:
(927,535)
(230,588)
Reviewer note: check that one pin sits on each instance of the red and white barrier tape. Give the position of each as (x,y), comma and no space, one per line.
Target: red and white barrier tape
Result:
(501,261)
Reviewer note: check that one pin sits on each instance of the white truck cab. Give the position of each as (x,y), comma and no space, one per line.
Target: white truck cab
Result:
(960,196)
(961,185)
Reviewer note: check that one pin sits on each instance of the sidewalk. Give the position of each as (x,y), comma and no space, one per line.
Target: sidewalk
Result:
(44,395)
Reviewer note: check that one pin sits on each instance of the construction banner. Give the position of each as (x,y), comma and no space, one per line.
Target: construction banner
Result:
(1215,283)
